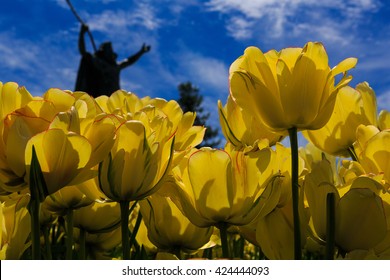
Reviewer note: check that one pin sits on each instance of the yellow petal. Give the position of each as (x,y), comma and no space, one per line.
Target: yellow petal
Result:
(101,135)
(344,66)
(12,97)
(369,103)
(61,156)
(307,85)
(361,221)
(211,180)
(384,120)
(275,235)
(61,100)
(317,186)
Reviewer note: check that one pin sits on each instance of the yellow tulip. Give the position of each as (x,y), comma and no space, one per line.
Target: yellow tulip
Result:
(15,228)
(241,128)
(62,157)
(291,88)
(98,130)
(372,149)
(353,107)
(19,126)
(168,228)
(102,244)
(137,162)
(12,97)
(214,186)
(360,215)
(98,217)
(67,198)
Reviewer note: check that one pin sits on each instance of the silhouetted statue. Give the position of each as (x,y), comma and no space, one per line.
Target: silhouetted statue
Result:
(98,74)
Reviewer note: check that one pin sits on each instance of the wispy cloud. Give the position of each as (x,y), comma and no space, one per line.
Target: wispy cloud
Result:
(143,15)
(206,71)
(36,65)
(275,18)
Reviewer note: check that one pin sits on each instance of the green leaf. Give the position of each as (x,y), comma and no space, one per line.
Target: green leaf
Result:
(38,188)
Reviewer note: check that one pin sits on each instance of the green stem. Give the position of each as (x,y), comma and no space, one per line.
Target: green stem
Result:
(82,244)
(208,253)
(69,234)
(352,154)
(295,191)
(125,229)
(46,233)
(224,240)
(34,209)
(177,252)
(330,225)
(135,229)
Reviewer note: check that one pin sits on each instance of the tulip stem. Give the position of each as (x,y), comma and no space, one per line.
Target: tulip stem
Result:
(83,234)
(135,229)
(69,233)
(125,212)
(34,209)
(330,225)
(46,233)
(295,191)
(224,240)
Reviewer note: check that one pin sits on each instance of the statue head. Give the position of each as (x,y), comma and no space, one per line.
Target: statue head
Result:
(106,52)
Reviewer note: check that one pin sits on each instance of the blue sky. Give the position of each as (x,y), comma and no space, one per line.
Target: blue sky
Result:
(191,40)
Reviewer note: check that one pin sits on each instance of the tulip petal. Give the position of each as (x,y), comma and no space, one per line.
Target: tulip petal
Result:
(210,176)
(62,100)
(60,155)
(361,221)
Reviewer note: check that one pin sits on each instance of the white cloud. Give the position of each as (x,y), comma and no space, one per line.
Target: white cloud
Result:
(36,65)
(205,71)
(383,100)
(143,15)
(275,18)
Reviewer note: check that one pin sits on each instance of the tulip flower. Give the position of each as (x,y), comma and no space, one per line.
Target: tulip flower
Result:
(20,126)
(169,229)
(241,128)
(353,107)
(360,221)
(135,165)
(15,228)
(291,88)
(372,150)
(63,158)
(223,188)
(12,97)
(137,162)
(95,218)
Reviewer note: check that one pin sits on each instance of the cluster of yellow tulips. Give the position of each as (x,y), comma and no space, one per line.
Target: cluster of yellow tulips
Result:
(120,177)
